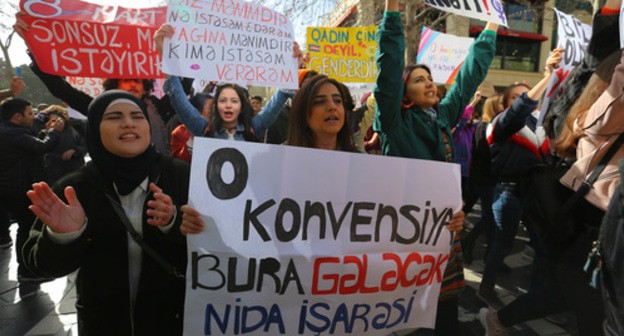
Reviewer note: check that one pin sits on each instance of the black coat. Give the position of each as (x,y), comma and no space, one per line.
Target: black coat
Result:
(101,255)
(612,250)
(21,158)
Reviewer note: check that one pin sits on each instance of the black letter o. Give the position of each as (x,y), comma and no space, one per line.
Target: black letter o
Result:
(217,186)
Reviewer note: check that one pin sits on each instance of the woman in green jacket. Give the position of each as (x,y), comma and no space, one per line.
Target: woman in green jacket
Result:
(410,127)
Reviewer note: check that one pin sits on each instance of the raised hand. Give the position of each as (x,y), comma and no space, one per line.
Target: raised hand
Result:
(53,212)
(17,86)
(476,99)
(298,54)
(191,222)
(160,209)
(553,61)
(58,124)
(166,30)
(20,25)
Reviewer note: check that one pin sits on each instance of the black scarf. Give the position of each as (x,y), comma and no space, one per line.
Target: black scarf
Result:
(125,173)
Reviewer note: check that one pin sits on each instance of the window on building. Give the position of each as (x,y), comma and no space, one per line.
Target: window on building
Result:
(522,18)
(516,54)
(517,46)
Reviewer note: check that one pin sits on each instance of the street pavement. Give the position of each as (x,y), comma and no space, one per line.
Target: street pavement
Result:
(51,312)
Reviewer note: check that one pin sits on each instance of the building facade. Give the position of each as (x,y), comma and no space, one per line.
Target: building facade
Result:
(522,48)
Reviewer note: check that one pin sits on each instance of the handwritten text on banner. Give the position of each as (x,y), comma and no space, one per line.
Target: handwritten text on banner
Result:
(573,37)
(77,38)
(322,245)
(230,41)
(346,54)
(443,53)
(485,10)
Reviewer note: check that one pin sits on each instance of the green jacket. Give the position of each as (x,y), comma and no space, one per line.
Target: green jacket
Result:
(411,132)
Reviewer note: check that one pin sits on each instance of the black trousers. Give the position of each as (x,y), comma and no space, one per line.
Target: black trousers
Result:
(17,206)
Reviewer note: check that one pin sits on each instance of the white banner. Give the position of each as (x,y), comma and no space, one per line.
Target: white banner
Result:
(91,86)
(302,241)
(443,53)
(230,41)
(573,37)
(485,10)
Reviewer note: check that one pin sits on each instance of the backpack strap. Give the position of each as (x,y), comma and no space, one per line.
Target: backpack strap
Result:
(603,163)
(587,184)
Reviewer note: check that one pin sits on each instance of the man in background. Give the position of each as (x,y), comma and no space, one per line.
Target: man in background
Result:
(21,164)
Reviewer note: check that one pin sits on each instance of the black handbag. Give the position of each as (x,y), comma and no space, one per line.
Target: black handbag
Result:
(550,205)
(544,199)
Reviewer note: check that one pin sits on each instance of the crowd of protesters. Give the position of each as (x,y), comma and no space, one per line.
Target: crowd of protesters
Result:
(98,217)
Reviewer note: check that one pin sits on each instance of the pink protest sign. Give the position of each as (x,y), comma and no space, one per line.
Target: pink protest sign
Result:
(76,38)
(443,53)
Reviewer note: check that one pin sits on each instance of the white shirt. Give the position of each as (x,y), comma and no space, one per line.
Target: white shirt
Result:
(132,205)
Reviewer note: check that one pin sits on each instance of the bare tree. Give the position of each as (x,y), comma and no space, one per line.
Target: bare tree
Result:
(416,15)
(6,37)
(419,15)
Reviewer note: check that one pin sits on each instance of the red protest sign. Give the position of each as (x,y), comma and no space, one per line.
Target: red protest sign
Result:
(76,38)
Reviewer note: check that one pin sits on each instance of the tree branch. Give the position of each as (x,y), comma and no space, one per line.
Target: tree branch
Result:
(440,19)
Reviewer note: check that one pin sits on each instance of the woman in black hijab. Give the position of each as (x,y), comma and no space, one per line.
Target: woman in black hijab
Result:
(86,222)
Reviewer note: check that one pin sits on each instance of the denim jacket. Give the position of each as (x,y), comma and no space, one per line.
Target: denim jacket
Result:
(196,124)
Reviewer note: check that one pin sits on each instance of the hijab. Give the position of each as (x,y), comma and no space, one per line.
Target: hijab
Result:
(125,173)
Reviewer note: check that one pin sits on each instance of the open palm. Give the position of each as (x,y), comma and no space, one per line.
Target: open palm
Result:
(53,212)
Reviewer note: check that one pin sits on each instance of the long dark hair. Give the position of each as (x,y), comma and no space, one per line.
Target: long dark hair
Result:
(407,71)
(244,117)
(299,132)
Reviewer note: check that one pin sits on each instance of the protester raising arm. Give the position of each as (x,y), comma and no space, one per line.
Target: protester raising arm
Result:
(17,86)
(513,119)
(57,85)
(406,97)
(468,113)
(190,116)
(605,39)
(77,99)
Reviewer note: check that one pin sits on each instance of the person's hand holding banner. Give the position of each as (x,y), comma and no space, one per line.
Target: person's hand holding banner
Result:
(78,38)
(166,30)
(191,221)
(20,25)
(457,222)
(556,55)
(485,10)
(300,252)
